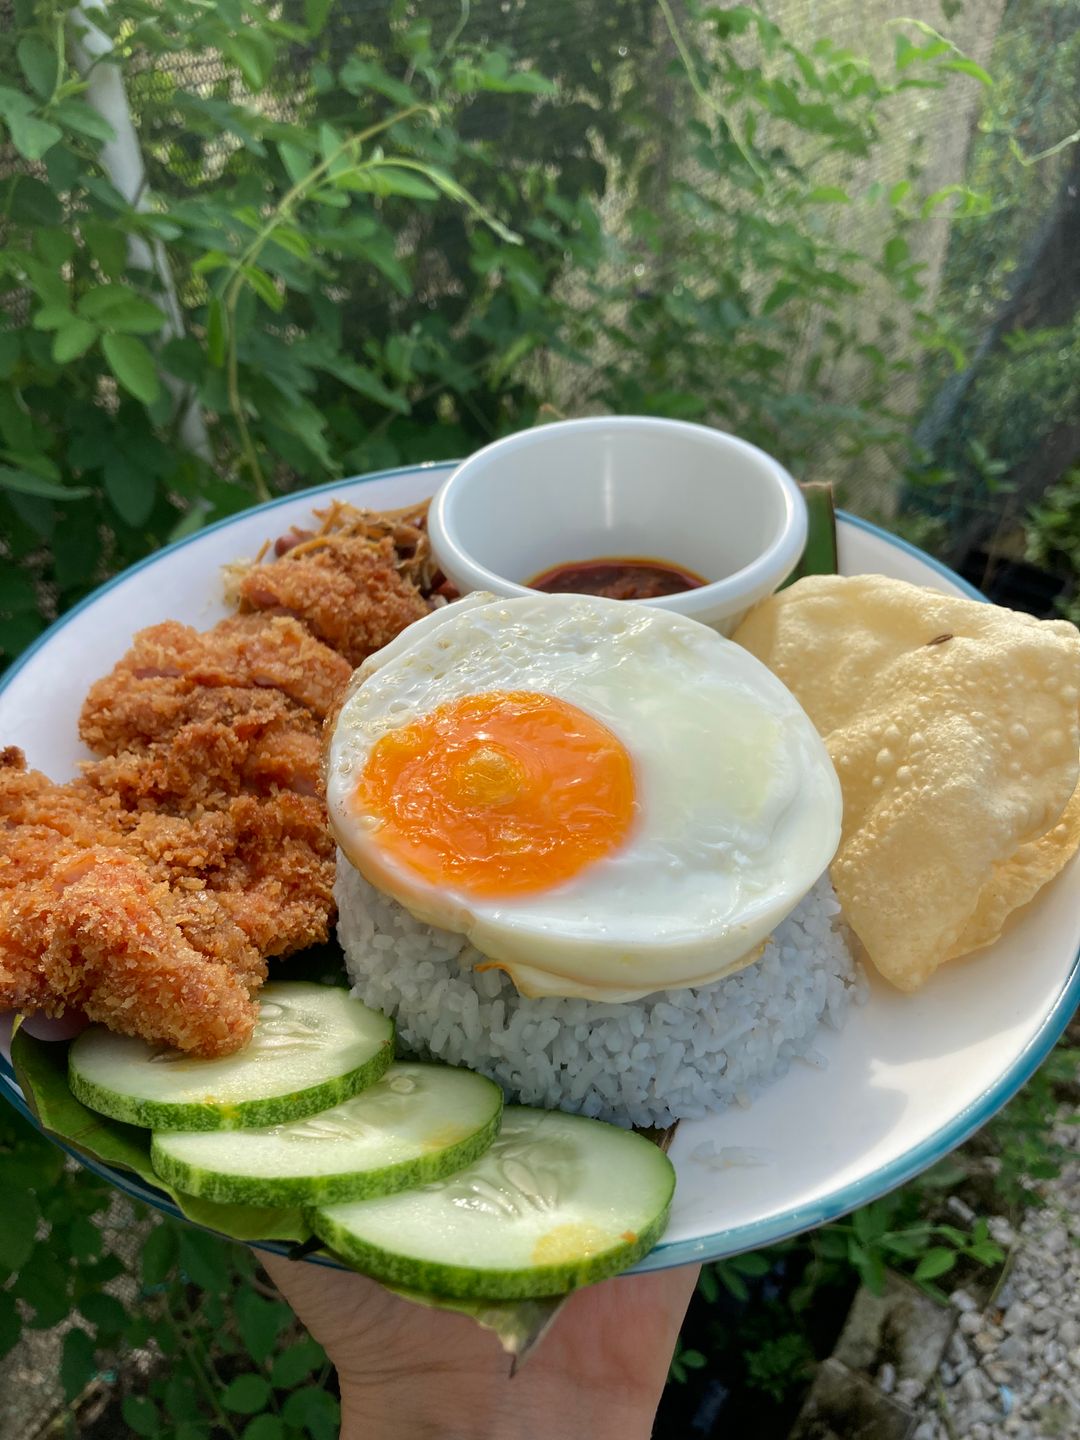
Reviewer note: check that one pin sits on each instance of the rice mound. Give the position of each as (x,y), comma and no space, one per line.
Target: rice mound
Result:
(675,1055)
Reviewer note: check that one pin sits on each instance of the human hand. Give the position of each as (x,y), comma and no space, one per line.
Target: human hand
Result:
(409,1372)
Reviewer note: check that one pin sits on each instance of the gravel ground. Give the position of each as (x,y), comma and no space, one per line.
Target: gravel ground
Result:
(1013,1367)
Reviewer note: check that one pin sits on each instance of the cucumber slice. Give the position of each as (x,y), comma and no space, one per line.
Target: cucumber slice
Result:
(417,1124)
(557,1202)
(313,1046)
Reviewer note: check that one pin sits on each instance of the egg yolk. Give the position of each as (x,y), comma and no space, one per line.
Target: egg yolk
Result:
(499,794)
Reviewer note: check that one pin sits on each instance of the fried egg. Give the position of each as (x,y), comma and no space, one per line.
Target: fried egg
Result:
(607,799)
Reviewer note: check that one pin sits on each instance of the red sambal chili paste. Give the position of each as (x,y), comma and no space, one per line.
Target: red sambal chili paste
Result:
(617,578)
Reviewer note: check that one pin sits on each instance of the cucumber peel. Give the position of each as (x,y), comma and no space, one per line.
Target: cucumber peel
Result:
(417,1124)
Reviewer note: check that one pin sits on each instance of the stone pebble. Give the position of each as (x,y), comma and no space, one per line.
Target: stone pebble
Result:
(1013,1368)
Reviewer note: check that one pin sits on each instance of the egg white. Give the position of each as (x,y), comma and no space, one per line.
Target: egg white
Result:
(738,807)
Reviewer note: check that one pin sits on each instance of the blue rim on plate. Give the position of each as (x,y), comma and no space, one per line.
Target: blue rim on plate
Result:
(722,1242)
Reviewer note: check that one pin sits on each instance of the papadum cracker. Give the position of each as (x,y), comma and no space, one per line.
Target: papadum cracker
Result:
(953,726)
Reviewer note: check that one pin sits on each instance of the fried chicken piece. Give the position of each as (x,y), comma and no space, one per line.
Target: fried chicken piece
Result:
(86,923)
(147,695)
(346,588)
(101,936)
(225,740)
(269,864)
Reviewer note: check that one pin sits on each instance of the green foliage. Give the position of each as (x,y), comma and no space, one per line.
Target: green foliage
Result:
(1012,310)
(683,1361)
(230,1349)
(1021,1140)
(363,245)
(1053,537)
(778,1364)
(881,1236)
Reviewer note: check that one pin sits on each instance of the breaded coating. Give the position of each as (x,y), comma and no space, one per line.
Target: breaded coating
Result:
(144,696)
(345,588)
(269,864)
(211,742)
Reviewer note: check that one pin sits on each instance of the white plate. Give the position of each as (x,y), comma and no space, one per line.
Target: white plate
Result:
(908,1078)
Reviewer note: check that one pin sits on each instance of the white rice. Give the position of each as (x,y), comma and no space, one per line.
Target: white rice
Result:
(675,1055)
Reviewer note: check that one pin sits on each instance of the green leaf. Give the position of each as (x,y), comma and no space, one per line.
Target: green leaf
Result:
(450,187)
(45,1284)
(141,1414)
(78,116)
(297,162)
(964,66)
(19,632)
(315,15)
(264,1427)
(308,424)
(202,1259)
(779,295)
(935,1262)
(292,241)
(253,52)
(41,1068)
(18,1229)
(23,483)
(108,1317)
(494,73)
(896,251)
(131,489)
(106,244)
(828,195)
(133,365)
(871,1268)
(986,1252)
(732,1281)
(37,514)
(247,1395)
(10,1323)
(52,317)
(215,332)
(182,1402)
(73,340)
(210,261)
(17,596)
(83,1239)
(10,349)
(753,1264)
(55,246)
(78,1364)
(32,137)
(313,1410)
(263,286)
(868,1223)
(358,75)
(159,1254)
(296,1364)
(364,382)
(63,168)
(333,149)
(377,178)
(37,61)
(259,1322)
(117,307)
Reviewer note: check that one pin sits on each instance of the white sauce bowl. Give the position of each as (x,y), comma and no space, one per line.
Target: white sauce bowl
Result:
(623,486)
